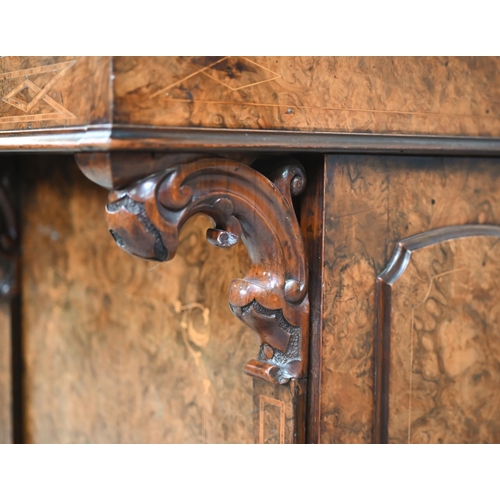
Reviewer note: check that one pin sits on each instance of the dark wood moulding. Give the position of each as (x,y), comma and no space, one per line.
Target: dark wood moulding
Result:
(162,139)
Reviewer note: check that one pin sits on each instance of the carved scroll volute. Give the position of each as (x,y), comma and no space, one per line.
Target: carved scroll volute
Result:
(145,220)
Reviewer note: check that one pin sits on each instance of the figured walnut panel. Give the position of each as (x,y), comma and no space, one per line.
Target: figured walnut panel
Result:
(372,203)
(118,349)
(407,95)
(43,92)
(440,338)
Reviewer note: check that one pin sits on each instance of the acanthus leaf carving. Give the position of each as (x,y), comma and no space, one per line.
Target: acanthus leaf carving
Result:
(146,217)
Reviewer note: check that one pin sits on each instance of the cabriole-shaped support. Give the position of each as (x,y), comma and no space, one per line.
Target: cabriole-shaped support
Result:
(145,219)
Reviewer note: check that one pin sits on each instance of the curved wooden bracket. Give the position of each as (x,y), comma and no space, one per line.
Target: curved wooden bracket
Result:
(145,219)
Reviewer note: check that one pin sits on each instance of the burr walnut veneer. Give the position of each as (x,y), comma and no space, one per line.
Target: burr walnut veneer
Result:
(351,208)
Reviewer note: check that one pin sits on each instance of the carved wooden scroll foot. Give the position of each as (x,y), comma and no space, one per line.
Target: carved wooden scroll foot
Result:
(145,218)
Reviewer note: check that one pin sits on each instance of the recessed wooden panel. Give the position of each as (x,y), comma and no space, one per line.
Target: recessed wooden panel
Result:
(42,92)
(372,202)
(439,338)
(120,350)
(403,95)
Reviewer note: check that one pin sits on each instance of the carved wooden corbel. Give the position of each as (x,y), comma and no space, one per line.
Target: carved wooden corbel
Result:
(145,218)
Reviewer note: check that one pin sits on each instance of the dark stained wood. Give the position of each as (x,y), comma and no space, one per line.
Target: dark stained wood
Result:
(390,95)
(118,170)
(143,138)
(43,92)
(438,366)
(372,203)
(145,218)
(120,350)
(312,223)
(9,239)
(9,287)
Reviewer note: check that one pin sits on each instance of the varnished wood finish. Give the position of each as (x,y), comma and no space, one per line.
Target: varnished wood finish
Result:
(312,221)
(146,217)
(120,350)
(9,287)
(390,95)
(329,104)
(371,204)
(438,361)
(44,92)
(118,170)
(280,412)
(151,357)
(143,138)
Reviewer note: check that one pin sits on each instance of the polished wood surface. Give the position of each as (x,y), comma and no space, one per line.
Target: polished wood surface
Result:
(145,220)
(119,350)
(312,221)
(435,96)
(322,167)
(373,202)
(390,95)
(439,361)
(146,217)
(45,92)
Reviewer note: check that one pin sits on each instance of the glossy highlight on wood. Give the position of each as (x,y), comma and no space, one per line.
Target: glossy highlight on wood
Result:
(145,219)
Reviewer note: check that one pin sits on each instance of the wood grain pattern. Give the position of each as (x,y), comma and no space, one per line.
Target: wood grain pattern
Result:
(280,412)
(390,95)
(43,92)
(118,349)
(439,365)
(312,220)
(145,218)
(372,203)
(6,424)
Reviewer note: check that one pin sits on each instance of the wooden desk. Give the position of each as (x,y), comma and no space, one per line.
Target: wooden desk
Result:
(365,191)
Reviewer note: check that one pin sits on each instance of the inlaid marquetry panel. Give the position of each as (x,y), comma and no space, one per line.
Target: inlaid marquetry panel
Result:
(373,202)
(417,95)
(393,95)
(280,411)
(41,92)
(439,338)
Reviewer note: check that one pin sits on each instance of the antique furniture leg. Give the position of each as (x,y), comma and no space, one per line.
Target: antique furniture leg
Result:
(145,215)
